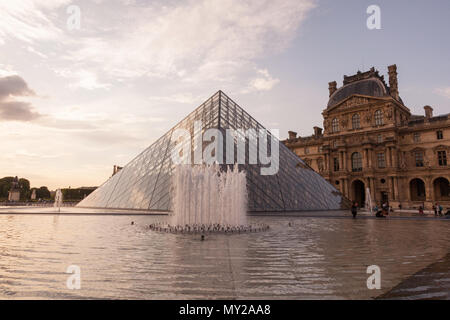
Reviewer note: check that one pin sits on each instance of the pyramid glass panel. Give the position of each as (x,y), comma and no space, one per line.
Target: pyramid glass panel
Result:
(145,183)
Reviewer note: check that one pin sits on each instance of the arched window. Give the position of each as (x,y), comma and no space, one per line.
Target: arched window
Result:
(335,125)
(355,121)
(356,161)
(378,118)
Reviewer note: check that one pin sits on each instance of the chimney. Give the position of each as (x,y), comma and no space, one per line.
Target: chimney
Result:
(292,135)
(428,112)
(393,82)
(332,87)
(317,131)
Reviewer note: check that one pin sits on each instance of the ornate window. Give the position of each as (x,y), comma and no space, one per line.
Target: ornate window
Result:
(335,125)
(418,156)
(356,121)
(416,137)
(381,160)
(336,164)
(356,161)
(439,135)
(379,118)
(379,138)
(306,150)
(442,158)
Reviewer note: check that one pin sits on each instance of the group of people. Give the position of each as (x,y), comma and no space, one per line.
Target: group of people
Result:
(438,209)
(379,213)
(385,209)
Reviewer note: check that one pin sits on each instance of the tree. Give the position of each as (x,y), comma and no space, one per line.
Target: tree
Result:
(43,193)
(24,186)
(5,186)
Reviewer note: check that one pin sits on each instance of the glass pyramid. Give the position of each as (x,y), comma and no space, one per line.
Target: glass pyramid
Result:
(145,182)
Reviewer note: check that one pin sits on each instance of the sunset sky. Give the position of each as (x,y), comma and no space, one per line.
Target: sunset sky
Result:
(75,102)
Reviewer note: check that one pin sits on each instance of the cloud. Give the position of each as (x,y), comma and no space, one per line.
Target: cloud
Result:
(17,111)
(14,85)
(82,79)
(195,41)
(263,82)
(11,109)
(183,98)
(444,92)
(29,20)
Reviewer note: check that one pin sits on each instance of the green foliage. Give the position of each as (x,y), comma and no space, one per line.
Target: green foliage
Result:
(24,186)
(25,191)
(5,186)
(76,194)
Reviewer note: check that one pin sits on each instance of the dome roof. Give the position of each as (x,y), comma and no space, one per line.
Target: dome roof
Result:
(369,87)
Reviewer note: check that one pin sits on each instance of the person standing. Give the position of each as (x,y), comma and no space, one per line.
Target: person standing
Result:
(354,209)
(440,210)
(435,209)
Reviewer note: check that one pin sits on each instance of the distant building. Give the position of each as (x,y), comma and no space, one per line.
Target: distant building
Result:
(371,140)
(14,192)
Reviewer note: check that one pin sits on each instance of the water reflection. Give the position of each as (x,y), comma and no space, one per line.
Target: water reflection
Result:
(310,258)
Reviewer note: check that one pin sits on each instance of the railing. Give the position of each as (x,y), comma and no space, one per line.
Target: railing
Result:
(36,204)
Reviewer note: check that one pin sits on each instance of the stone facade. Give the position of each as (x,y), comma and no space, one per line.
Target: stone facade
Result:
(371,140)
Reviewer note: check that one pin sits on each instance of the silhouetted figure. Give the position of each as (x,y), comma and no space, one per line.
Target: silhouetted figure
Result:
(435,209)
(203,237)
(380,214)
(421,210)
(132,222)
(354,209)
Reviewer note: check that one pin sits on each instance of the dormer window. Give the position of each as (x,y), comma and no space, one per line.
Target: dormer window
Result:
(356,121)
(379,118)
(335,125)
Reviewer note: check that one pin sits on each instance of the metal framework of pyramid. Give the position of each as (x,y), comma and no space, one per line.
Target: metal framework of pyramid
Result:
(145,182)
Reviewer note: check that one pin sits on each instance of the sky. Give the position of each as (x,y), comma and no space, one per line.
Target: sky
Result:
(85,85)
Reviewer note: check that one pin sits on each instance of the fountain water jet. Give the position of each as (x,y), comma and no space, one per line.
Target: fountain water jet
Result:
(207,199)
(58,200)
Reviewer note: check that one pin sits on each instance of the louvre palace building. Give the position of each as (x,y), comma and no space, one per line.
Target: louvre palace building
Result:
(371,140)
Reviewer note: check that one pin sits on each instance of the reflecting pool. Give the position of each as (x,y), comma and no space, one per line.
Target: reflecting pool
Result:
(298,258)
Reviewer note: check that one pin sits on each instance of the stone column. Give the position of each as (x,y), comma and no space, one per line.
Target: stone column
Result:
(396,196)
(369,155)
(366,158)
(344,160)
(391,188)
(406,189)
(394,157)
(389,160)
(428,190)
